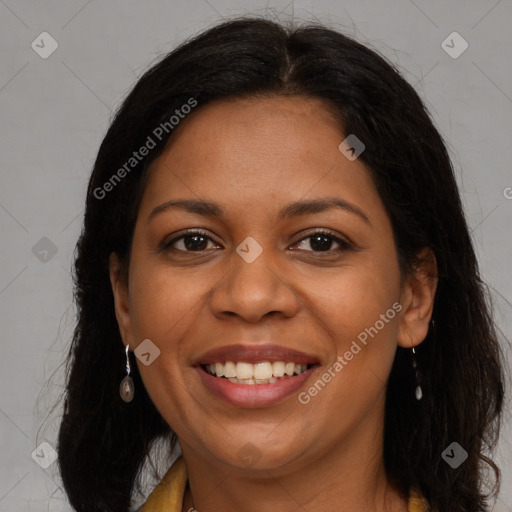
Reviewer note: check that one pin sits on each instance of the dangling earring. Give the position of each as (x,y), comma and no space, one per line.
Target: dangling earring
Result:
(418,392)
(126,388)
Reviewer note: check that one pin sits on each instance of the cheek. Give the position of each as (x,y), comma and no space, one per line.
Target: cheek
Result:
(359,310)
(162,309)
(358,313)
(354,300)
(368,305)
(162,300)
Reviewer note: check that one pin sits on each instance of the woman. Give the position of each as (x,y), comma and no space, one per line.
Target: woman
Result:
(274,228)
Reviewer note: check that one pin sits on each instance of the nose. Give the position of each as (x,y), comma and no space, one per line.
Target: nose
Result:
(254,290)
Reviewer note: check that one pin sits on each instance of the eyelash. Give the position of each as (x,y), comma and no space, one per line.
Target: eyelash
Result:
(344,245)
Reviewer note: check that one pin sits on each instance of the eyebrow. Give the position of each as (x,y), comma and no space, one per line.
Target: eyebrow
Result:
(295,209)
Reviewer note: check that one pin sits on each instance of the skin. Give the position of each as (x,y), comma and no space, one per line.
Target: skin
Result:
(253,157)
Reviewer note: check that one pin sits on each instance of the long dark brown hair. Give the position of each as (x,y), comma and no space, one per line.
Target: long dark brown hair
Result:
(104,442)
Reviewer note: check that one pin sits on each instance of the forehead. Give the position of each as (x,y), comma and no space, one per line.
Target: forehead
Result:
(258,149)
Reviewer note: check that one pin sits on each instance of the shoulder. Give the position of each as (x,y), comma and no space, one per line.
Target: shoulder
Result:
(168,494)
(417,503)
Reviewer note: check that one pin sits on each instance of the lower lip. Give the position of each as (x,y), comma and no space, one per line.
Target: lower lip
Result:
(253,395)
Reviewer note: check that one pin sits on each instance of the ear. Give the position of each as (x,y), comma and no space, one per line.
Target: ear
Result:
(119,283)
(417,299)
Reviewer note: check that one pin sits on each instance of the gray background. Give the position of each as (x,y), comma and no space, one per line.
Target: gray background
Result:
(55,111)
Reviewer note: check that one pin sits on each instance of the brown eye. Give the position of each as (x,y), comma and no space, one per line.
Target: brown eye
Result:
(193,241)
(322,242)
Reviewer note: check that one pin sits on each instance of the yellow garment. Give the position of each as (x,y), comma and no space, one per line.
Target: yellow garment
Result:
(168,494)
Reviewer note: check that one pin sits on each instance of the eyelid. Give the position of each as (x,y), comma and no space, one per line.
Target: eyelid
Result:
(187,232)
(342,241)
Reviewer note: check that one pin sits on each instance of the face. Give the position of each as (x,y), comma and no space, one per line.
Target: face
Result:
(258,245)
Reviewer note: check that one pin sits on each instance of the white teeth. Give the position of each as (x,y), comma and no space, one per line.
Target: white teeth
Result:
(278,369)
(229,370)
(243,370)
(257,381)
(289,369)
(260,373)
(219,369)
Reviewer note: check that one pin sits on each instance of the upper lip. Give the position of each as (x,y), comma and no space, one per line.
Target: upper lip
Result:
(255,354)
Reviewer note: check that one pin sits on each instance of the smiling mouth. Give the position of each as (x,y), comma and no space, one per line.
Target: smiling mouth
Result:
(264,372)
